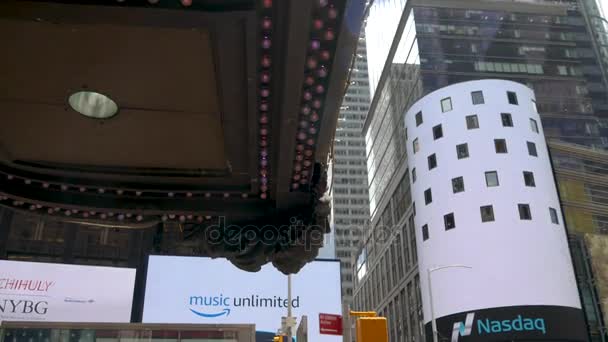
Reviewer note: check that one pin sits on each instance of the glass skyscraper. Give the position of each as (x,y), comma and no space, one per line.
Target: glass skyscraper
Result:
(415,47)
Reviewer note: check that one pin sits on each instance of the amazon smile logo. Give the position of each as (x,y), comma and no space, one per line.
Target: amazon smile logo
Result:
(226,312)
(218,306)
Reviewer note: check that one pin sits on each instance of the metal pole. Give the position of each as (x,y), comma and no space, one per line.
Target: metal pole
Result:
(289,332)
(433,322)
(429,271)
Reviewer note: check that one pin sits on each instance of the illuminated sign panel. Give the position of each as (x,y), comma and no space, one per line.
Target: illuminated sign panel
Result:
(65,293)
(204,290)
(535,322)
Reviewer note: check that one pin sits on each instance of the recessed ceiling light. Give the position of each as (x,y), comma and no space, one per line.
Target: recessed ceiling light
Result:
(93,105)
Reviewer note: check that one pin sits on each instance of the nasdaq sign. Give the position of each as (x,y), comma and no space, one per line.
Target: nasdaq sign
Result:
(534,322)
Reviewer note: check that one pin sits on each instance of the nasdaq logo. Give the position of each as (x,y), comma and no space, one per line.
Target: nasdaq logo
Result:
(463,328)
(490,326)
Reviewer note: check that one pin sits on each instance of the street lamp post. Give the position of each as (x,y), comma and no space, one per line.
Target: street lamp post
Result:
(429,272)
(288,322)
(289,331)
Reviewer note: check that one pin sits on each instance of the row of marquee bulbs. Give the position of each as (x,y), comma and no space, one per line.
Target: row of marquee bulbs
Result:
(264,92)
(102,215)
(323,30)
(186,3)
(265,3)
(101,190)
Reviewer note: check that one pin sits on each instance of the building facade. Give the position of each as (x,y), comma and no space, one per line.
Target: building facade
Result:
(415,48)
(350,204)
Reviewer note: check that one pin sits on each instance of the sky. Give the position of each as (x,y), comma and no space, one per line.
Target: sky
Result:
(604,6)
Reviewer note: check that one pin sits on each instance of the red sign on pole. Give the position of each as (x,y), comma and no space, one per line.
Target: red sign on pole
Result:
(330,324)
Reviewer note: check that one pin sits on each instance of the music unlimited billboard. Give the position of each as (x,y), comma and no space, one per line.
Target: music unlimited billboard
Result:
(204,290)
(64,293)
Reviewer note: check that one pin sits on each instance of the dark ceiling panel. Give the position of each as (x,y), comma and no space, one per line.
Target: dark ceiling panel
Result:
(164,70)
(197,5)
(169,115)
(134,138)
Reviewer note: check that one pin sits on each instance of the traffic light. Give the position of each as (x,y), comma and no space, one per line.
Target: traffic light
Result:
(370,328)
(279,338)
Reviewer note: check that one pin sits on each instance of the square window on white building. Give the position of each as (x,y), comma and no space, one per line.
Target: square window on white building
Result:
(462,151)
(507,120)
(512,97)
(446,104)
(425,232)
(534,125)
(492,178)
(418,119)
(553,214)
(500,145)
(532,149)
(529,179)
(449,221)
(457,184)
(428,196)
(487,213)
(437,132)
(477,97)
(415,145)
(472,122)
(524,211)
(432,159)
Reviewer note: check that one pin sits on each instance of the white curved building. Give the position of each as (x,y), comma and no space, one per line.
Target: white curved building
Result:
(485,197)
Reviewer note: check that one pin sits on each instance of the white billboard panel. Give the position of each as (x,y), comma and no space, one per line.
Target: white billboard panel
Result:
(65,293)
(204,290)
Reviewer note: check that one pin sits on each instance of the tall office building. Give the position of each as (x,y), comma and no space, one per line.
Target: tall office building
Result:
(350,205)
(416,47)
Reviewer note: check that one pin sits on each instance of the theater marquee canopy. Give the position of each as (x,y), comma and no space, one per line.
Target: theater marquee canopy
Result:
(144,114)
